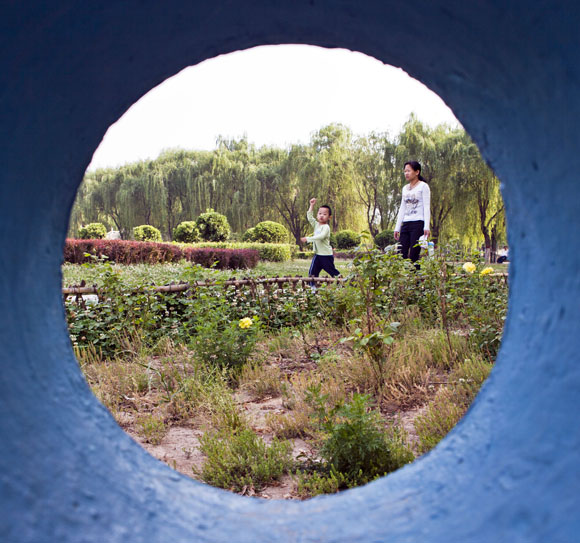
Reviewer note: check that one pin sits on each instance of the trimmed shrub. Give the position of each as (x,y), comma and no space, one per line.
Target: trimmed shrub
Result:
(249,235)
(274,252)
(385,238)
(146,232)
(213,226)
(270,232)
(186,232)
(94,230)
(347,239)
(333,240)
(134,252)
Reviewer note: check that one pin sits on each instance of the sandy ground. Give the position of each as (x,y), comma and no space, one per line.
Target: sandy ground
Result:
(179,448)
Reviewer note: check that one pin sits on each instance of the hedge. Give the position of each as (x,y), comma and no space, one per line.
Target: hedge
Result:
(273,252)
(135,252)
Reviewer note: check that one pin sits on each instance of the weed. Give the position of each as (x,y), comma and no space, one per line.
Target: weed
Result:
(450,403)
(261,380)
(152,428)
(234,461)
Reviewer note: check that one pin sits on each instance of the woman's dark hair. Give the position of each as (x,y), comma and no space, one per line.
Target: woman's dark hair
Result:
(416,168)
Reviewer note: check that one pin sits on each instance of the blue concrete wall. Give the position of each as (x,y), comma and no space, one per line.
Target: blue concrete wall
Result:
(510,71)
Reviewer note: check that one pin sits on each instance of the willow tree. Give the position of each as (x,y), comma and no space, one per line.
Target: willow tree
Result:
(377,182)
(334,178)
(433,148)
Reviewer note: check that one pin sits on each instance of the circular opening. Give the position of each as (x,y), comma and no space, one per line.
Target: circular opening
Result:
(277,371)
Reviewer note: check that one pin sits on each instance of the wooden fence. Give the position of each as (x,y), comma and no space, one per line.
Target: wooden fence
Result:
(268,283)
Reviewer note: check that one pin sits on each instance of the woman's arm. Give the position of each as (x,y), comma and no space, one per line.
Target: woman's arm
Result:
(400,216)
(426,209)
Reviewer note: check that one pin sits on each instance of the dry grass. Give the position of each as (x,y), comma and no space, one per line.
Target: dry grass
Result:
(261,380)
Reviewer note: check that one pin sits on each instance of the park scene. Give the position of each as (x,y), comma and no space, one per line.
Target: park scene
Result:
(201,333)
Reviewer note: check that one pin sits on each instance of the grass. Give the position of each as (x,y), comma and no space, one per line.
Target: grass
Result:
(161,274)
(309,378)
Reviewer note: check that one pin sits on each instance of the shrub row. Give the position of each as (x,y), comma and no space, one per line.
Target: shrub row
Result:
(134,252)
(273,252)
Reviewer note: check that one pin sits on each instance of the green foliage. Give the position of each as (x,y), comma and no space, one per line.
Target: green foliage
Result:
(270,232)
(242,460)
(385,238)
(220,340)
(152,428)
(213,226)
(94,230)
(271,252)
(147,233)
(347,239)
(319,480)
(358,447)
(186,232)
(248,235)
(451,403)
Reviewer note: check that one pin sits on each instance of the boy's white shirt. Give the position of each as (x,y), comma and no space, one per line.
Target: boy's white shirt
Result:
(321,237)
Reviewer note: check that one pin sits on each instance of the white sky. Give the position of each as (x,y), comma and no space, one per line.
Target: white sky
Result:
(275,95)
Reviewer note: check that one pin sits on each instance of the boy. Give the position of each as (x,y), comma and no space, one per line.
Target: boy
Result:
(323,258)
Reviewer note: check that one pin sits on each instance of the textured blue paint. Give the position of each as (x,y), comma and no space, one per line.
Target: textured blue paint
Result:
(509,69)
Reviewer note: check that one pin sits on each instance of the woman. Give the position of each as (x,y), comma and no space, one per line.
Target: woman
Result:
(414,213)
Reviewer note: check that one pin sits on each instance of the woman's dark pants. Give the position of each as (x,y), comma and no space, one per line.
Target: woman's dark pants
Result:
(411,231)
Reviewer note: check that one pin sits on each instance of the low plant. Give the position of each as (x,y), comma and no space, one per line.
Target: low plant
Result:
(241,460)
(347,239)
(261,380)
(186,232)
(94,230)
(145,232)
(223,342)
(385,238)
(213,226)
(152,428)
(318,479)
(357,445)
(270,232)
(450,403)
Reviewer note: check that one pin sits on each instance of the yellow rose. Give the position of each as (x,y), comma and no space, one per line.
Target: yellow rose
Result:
(486,271)
(469,267)
(246,322)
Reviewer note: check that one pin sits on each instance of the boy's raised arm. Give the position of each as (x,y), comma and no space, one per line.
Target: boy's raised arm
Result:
(310,215)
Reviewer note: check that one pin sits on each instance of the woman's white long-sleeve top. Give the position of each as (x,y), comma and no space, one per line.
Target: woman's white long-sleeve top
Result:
(415,205)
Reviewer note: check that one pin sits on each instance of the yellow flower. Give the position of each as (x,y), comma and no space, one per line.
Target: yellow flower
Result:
(469,267)
(486,271)
(246,322)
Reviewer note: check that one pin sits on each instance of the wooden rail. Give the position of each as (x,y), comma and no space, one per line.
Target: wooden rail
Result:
(252,282)
(182,287)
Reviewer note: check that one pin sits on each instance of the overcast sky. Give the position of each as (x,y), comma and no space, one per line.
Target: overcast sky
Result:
(274,95)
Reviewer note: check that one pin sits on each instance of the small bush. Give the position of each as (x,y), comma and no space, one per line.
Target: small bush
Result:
(235,461)
(248,235)
(94,230)
(347,239)
(186,232)
(213,226)
(146,232)
(224,343)
(152,428)
(270,232)
(385,238)
(358,447)
(333,240)
(318,482)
